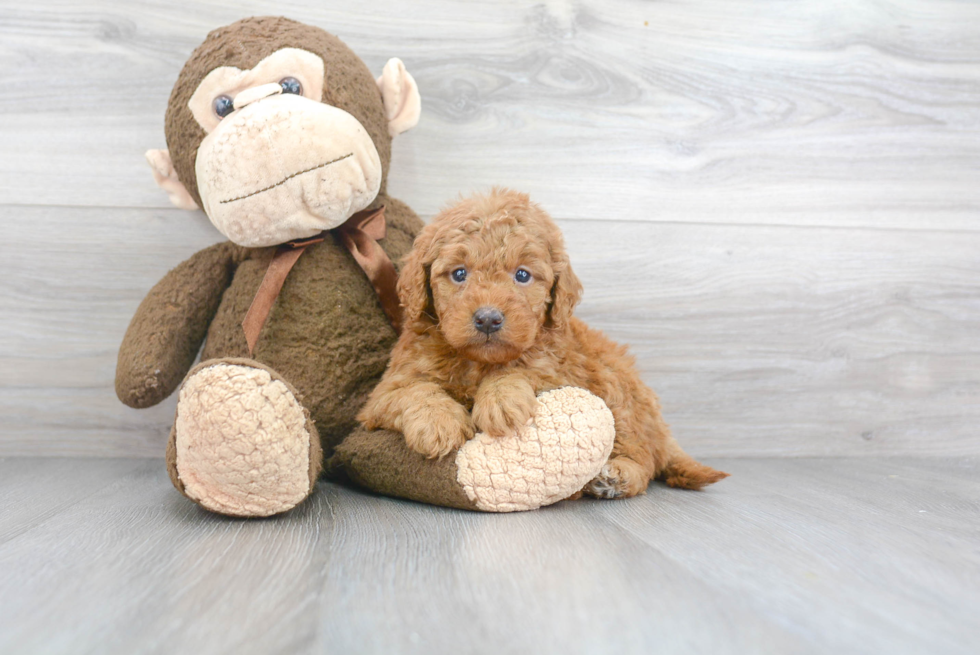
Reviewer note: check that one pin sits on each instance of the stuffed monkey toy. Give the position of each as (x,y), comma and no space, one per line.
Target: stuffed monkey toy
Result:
(282,135)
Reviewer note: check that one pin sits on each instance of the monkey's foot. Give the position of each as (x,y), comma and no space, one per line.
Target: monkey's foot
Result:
(242,443)
(551,458)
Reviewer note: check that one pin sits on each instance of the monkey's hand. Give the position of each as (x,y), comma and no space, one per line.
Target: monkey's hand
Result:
(170,324)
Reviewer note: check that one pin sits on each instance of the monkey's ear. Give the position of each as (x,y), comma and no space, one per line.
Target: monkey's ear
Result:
(401,97)
(166,179)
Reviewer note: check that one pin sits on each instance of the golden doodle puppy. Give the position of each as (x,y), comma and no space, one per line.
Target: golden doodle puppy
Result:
(488,295)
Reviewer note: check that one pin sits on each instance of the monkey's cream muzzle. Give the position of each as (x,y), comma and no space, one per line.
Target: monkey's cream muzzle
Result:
(284,167)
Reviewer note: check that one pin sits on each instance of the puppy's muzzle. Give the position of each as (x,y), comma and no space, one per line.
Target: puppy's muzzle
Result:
(488,320)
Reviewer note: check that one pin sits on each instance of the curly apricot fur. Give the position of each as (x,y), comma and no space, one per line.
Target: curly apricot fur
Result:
(441,358)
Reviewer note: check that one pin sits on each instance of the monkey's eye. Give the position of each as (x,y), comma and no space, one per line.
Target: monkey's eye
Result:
(523,276)
(459,275)
(291,85)
(223,105)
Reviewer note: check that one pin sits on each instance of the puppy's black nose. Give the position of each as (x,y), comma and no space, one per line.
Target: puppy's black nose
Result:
(488,319)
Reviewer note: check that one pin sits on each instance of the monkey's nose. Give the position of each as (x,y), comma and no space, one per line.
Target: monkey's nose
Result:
(248,96)
(488,319)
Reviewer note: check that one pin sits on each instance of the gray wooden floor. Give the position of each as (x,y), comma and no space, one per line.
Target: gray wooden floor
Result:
(787,556)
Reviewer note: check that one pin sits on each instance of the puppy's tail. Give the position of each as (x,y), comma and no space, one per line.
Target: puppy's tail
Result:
(684,472)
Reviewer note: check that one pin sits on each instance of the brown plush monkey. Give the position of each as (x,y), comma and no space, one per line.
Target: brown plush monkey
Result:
(281,134)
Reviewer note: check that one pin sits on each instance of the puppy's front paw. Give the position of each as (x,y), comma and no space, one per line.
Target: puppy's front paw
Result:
(438,429)
(504,412)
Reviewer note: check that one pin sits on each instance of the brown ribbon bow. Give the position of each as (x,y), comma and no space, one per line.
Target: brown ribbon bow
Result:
(360,234)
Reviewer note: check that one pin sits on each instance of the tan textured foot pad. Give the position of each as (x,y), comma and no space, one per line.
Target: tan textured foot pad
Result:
(563,447)
(243,447)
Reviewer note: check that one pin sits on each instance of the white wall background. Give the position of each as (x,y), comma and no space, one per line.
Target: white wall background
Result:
(777,204)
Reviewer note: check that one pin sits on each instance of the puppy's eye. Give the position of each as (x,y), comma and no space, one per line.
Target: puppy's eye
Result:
(291,85)
(459,275)
(523,276)
(223,105)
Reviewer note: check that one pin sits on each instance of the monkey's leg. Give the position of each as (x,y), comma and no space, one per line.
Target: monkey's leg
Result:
(242,443)
(558,451)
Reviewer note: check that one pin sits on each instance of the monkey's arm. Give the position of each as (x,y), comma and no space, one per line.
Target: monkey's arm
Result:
(170,324)
(403,226)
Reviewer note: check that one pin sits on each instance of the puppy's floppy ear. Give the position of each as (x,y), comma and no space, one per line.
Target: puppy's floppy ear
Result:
(566,290)
(413,281)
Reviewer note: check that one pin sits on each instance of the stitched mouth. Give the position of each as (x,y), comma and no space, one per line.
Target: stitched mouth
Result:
(287,178)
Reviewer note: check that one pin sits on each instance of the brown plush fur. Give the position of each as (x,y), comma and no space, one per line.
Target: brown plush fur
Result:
(326,334)
(446,379)
(379,460)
